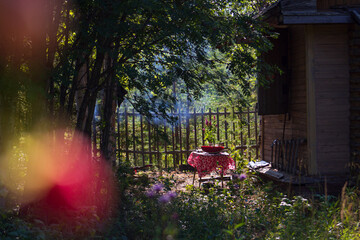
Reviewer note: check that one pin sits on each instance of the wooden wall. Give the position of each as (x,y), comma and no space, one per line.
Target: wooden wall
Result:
(319,109)
(326,4)
(354,39)
(274,97)
(295,122)
(328,102)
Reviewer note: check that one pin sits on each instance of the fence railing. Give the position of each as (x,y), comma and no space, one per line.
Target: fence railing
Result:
(165,145)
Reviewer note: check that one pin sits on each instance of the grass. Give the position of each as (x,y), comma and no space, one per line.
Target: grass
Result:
(246,209)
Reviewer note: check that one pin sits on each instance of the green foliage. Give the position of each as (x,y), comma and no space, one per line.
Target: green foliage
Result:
(156,43)
(246,209)
(210,131)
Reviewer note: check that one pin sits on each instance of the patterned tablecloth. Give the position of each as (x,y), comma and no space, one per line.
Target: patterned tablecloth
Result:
(207,162)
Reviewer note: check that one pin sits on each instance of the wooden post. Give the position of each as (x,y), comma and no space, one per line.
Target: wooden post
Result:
(176,154)
(126,135)
(134,136)
(202,126)
(187,131)
(195,130)
(158,149)
(311,99)
(226,128)
(256,134)
(173,145)
(210,115)
(180,136)
(149,135)
(233,134)
(118,135)
(249,133)
(173,141)
(142,139)
(218,124)
(242,141)
(165,146)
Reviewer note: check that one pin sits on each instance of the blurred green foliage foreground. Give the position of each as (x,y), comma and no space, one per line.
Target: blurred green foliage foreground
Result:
(247,208)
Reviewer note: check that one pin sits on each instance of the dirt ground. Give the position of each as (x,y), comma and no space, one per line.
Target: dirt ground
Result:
(179,179)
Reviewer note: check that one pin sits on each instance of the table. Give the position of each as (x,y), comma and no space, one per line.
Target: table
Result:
(207,162)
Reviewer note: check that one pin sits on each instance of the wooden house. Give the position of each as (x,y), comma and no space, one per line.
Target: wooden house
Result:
(310,114)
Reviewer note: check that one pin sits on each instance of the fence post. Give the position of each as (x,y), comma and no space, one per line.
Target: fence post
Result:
(173,144)
(187,131)
(180,145)
(149,135)
(249,133)
(134,136)
(165,146)
(202,126)
(180,135)
(126,135)
(158,148)
(256,134)
(226,128)
(218,124)
(195,130)
(118,134)
(142,139)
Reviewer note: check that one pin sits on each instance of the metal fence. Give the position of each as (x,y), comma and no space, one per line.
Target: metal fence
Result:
(166,145)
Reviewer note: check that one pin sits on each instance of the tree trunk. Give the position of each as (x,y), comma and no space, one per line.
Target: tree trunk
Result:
(108,131)
(87,107)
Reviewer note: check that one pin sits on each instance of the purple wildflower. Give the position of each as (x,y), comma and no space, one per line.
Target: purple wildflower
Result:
(236,186)
(235,176)
(164,199)
(150,194)
(242,177)
(175,216)
(172,195)
(206,122)
(214,118)
(157,187)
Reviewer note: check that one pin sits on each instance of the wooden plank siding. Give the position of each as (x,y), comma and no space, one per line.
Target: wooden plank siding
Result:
(326,4)
(354,51)
(330,78)
(296,120)
(273,99)
(319,109)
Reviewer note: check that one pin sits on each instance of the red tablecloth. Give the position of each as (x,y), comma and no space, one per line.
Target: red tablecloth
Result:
(207,162)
